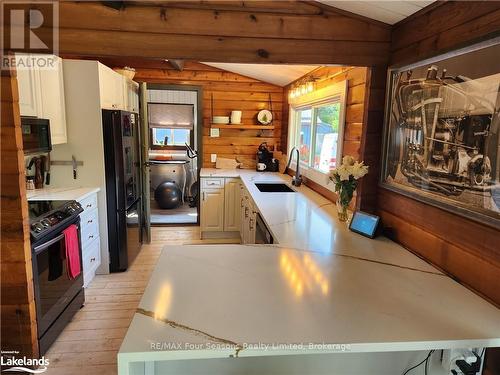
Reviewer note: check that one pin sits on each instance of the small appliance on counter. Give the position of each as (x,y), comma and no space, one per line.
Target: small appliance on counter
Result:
(58,294)
(36,135)
(265,160)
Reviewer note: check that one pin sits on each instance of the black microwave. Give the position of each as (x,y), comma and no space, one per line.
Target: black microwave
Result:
(36,135)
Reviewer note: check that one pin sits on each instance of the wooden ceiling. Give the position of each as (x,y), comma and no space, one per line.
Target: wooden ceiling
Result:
(389,12)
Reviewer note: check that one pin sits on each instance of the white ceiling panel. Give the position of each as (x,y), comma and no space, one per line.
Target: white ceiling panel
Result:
(389,12)
(280,75)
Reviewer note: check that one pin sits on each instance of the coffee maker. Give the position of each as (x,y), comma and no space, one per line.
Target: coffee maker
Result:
(265,160)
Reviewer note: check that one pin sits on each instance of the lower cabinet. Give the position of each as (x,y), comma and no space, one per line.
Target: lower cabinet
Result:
(212,210)
(232,205)
(220,207)
(90,240)
(248,217)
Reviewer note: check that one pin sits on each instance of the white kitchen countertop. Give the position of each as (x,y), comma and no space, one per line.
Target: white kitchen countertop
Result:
(233,295)
(309,221)
(61,193)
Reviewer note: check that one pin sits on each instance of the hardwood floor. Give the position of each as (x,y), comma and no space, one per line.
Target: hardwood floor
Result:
(90,342)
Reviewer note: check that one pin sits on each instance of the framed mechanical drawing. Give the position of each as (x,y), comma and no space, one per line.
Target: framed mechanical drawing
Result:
(441,132)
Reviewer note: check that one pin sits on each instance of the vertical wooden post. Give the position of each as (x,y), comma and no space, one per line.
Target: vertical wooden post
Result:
(18,314)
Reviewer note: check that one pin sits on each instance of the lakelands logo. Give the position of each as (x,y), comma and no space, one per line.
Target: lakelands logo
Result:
(23,364)
(29,27)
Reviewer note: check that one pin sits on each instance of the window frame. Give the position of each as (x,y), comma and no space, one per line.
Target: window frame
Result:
(332,94)
(152,146)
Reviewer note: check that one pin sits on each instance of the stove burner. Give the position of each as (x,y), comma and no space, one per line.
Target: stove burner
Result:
(47,216)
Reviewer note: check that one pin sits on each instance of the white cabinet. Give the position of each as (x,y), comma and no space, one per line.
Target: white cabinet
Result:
(248,218)
(28,81)
(212,210)
(53,103)
(90,239)
(131,95)
(232,207)
(41,94)
(111,88)
(220,207)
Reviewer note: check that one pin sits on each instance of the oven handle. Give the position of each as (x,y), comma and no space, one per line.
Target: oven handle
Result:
(48,243)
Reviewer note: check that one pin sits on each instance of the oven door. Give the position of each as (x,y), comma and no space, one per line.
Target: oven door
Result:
(54,290)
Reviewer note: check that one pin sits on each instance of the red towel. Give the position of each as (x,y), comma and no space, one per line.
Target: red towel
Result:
(72,251)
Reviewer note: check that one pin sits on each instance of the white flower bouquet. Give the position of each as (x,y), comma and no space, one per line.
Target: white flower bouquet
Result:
(345,177)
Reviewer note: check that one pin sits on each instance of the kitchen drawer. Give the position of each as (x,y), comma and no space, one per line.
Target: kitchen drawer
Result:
(91,260)
(89,217)
(89,231)
(212,183)
(89,203)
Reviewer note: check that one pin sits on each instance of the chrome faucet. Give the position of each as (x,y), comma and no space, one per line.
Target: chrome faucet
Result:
(297,179)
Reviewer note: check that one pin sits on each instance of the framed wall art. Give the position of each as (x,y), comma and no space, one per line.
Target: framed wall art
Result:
(441,132)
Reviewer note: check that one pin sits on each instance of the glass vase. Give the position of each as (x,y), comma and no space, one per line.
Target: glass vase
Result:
(342,210)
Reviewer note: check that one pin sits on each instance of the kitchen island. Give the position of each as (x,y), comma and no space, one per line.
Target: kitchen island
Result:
(261,309)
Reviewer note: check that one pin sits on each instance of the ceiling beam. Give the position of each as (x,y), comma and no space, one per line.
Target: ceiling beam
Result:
(90,28)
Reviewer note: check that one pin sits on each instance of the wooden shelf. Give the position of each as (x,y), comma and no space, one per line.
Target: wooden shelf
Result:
(242,127)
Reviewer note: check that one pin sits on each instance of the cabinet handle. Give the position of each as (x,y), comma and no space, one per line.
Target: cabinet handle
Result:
(88,205)
(203,195)
(92,259)
(89,221)
(91,236)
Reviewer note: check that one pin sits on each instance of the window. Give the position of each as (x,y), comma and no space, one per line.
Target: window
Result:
(317,135)
(170,137)
(171,125)
(317,129)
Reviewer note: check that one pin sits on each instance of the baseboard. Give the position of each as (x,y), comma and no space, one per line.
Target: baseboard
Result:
(215,235)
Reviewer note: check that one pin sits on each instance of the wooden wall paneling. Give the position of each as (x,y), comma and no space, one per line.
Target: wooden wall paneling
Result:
(18,326)
(370,137)
(461,247)
(444,27)
(224,34)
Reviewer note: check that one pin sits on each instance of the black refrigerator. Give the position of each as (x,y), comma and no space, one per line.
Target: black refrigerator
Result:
(123,186)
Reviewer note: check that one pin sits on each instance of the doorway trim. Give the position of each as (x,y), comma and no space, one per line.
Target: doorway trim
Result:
(199,129)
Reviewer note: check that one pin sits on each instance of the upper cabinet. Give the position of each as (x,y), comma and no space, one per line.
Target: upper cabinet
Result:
(117,91)
(111,88)
(28,81)
(41,94)
(131,95)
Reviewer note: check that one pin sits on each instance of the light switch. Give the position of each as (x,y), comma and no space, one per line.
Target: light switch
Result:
(213,158)
(214,132)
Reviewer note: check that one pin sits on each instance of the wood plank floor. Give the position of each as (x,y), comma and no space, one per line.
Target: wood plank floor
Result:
(90,342)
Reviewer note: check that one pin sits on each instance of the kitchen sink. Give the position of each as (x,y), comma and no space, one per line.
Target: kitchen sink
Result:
(274,188)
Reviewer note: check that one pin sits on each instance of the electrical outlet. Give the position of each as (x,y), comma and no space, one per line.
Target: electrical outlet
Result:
(213,158)
(214,132)
(452,356)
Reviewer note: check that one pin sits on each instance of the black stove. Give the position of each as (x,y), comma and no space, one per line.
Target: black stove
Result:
(57,296)
(49,216)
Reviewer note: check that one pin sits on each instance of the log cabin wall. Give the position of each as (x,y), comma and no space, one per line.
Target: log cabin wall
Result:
(224,31)
(463,248)
(230,91)
(18,327)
